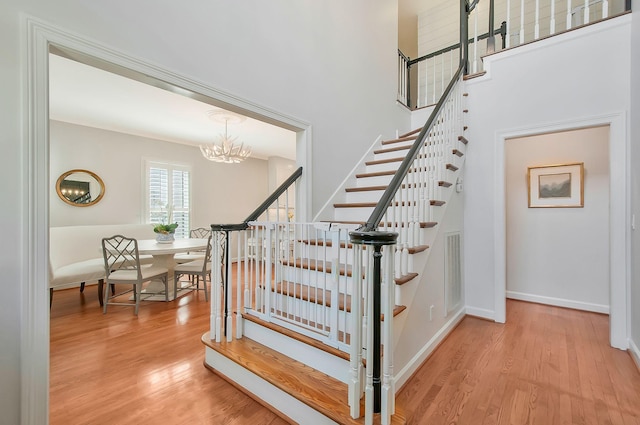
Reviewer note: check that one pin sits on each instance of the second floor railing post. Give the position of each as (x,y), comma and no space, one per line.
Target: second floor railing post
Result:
(491,41)
(464,35)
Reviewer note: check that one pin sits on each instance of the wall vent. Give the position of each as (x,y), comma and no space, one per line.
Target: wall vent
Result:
(452,271)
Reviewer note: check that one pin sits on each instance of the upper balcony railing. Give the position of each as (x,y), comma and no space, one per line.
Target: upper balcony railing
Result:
(518,22)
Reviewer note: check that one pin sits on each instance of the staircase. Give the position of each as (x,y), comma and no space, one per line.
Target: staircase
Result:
(303,317)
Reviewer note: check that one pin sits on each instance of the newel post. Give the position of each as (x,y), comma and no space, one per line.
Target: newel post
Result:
(376,240)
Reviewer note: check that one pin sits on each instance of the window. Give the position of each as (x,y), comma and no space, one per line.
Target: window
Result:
(168,195)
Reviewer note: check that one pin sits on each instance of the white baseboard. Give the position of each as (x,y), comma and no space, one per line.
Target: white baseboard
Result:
(480,312)
(559,302)
(635,353)
(413,365)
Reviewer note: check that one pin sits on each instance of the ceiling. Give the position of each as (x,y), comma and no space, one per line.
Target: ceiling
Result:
(89,96)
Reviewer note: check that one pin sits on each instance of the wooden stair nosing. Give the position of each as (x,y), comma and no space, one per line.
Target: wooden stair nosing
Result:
(320,266)
(451,167)
(384,161)
(463,139)
(412,132)
(457,152)
(437,203)
(365,188)
(423,224)
(323,296)
(376,174)
(399,140)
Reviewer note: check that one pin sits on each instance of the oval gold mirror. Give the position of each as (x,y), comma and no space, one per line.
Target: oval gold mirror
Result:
(80,188)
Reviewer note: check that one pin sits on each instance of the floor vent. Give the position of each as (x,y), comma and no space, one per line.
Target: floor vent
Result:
(452,271)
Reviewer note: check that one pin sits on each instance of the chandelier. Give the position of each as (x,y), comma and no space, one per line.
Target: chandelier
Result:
(225,149)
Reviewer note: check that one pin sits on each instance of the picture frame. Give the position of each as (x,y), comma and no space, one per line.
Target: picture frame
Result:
(556,186)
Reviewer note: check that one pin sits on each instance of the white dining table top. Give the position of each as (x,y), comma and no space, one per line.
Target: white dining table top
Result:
(151,246)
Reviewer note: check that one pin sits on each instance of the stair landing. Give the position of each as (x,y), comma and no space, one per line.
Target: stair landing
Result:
(305,384)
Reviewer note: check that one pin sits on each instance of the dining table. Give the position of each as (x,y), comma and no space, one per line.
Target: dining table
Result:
(163,255)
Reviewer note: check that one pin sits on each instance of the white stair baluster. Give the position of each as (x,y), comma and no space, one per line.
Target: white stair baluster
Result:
(508,20)
(586,18)
(521,21)
(605,9)
(552,20)
(536,28)
(568,14)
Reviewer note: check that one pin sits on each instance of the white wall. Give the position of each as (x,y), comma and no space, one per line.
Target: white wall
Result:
(296,58)
(221,193)
(559,256)
(567,78)
(635,184)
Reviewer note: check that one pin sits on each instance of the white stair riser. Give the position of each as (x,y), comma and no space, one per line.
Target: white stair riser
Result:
(385,166)
(373,181)
(318,359)
(363,196)
(353,214)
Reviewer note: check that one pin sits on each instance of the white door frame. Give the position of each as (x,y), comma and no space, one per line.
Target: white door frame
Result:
(619,254)
(39,36)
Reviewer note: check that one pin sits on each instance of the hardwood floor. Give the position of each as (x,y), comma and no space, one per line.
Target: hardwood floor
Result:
(118,369)
(546,365)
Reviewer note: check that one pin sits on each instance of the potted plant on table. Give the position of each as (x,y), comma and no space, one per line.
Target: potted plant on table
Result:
(165,233)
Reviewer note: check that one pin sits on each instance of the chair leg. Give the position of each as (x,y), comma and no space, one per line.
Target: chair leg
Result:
(166,289)
(50,298)
(176,276)
(100,292)
(81,287)
(136,297)
(105,298)
(206,290)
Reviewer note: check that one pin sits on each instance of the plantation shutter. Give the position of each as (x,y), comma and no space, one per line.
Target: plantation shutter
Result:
(168,188)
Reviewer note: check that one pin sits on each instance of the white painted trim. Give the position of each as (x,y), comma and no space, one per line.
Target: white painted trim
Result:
(269,393)
(37,35)
(619,252)
(559,302)
(560,38)
(635,353)
(481,313)
(410,368)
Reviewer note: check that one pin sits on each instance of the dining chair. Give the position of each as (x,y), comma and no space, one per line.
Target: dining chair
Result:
(122,266)
(196,270)
(199,233)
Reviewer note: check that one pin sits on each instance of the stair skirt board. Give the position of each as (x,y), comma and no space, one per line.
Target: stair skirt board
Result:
(412,366)
(289,407)
(326,363)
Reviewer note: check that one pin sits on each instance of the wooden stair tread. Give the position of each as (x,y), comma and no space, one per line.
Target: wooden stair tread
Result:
(323,297)
(376,174)
(406,278)
(321,266)
(412,132)
(423,224)
(311,387)
(373,204)
(452,167)
(400,139)
(457,152)
(463,139)
(375,188)
(384,161)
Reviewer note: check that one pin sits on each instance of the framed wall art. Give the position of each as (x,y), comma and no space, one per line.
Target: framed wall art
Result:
(556,186)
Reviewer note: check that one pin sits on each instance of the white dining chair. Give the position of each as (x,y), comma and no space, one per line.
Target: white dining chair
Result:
(196,270)
(122,266)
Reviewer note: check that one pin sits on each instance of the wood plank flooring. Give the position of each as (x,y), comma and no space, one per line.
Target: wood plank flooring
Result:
(546,365)
(118,369)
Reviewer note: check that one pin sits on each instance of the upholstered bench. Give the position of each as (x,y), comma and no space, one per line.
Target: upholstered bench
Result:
(75,253)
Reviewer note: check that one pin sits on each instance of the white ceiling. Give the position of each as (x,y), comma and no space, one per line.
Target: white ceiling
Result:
(85,95)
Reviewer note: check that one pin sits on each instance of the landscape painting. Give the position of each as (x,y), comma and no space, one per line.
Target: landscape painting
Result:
(556,186)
